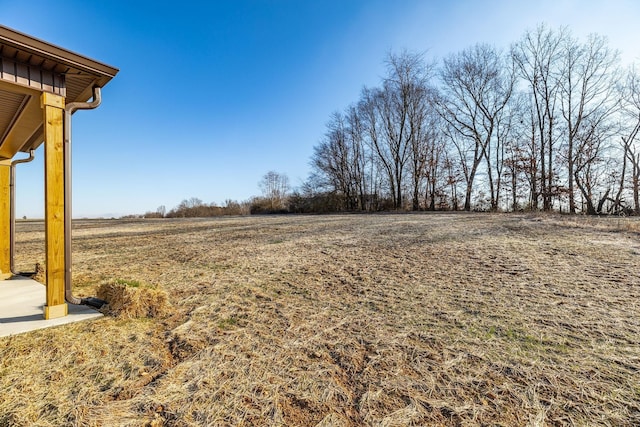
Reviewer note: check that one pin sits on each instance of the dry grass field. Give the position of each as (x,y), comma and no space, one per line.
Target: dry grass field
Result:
(346,320)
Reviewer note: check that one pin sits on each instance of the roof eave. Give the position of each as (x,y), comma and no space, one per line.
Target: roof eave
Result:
(55,53)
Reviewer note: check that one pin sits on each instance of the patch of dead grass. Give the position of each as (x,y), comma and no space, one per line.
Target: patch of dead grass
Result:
(132,300)
(345,321)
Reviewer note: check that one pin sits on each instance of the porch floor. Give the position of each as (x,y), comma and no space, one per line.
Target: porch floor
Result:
(21,308)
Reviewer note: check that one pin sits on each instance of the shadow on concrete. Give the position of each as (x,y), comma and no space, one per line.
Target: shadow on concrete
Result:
(21,308)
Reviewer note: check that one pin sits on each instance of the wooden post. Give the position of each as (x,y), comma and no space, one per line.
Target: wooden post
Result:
(53,109)
(5,200)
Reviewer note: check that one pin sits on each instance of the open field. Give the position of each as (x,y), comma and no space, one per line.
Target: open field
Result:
(382,320)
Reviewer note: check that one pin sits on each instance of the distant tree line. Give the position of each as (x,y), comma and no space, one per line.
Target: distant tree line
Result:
(275,199)
(549,124)
(196,208)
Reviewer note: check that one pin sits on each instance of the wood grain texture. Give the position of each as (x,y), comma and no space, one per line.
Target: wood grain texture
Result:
(54,202)
(5,200)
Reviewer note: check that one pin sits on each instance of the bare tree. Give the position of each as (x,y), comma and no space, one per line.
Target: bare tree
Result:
(587,98)
(340,160)
(435,156)
(360,159)
(452,175)
(332,159)
(537,56)
(382,158)
(630,144)
(424,158)
(394,116)
(476,88)
(593,169)
(275,188)
(519,150)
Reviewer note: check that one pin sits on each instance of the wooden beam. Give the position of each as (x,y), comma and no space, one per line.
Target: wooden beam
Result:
(27,123)
(5,198)
(53,109)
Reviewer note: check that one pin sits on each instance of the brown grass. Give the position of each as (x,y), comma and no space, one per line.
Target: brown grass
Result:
(132,300)
(382,320)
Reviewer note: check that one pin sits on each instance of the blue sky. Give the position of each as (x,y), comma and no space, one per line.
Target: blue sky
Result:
(211,95)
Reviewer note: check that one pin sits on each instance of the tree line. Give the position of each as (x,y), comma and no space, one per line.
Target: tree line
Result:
(549,124)
(275,190)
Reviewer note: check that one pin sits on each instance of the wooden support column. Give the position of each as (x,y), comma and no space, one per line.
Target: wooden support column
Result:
(5,200)
(53,109)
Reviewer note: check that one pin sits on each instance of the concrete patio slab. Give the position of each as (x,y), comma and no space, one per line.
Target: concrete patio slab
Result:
(21,308)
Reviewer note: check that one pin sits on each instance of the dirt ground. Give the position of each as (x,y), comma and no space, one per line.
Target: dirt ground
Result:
(345,320)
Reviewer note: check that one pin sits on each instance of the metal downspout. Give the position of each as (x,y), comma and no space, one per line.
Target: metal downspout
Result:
(12,210)
(68,110)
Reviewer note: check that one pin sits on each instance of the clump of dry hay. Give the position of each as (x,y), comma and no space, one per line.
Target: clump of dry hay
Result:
(131,299)
(41,273)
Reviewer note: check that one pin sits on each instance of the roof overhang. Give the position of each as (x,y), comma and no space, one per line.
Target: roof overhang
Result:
(29,67)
